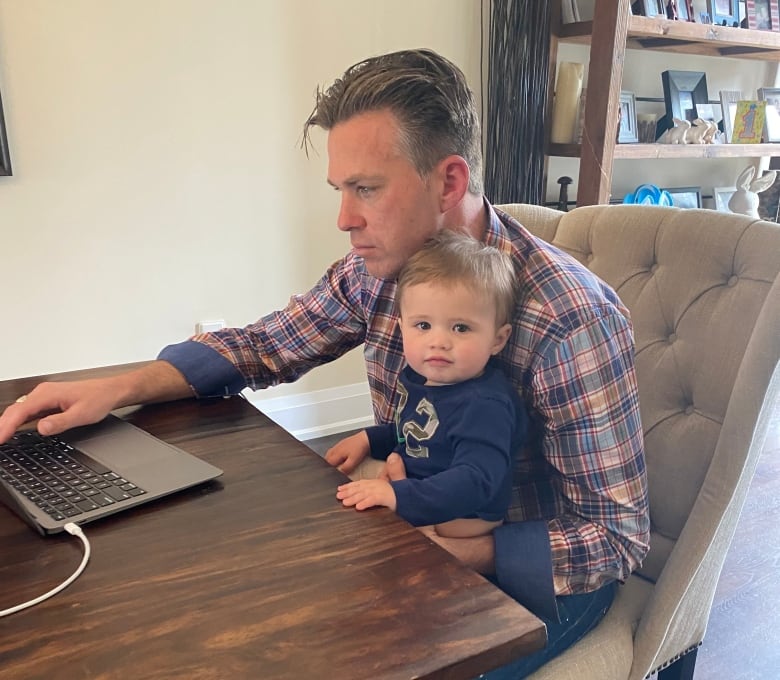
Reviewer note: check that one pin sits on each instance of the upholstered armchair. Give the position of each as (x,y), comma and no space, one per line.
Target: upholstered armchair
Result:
(703,288)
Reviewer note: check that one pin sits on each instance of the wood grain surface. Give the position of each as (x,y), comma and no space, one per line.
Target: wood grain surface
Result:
(260,574)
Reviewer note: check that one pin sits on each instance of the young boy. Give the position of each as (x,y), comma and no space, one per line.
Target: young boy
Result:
(459,422)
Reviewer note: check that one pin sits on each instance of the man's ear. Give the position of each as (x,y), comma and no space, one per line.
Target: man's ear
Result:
(502,335)
(454,174)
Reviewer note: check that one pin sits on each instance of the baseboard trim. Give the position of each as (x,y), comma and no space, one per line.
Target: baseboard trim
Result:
(319,413)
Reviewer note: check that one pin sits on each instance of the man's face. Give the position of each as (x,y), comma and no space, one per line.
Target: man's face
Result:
(388,210)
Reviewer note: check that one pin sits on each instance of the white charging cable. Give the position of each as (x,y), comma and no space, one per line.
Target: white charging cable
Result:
(73,530)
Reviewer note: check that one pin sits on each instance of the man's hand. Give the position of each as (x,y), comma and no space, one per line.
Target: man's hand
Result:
(63,405)
(367,493)
(349,452)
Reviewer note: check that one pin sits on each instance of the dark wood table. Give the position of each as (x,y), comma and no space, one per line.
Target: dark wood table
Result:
(261,574)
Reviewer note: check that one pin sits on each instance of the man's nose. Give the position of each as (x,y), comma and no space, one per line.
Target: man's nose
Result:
(349,216)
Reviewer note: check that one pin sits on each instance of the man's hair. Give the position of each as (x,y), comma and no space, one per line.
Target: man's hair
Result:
(428,95)
(454,258)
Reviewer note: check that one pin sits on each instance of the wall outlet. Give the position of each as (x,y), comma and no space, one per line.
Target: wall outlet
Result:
(209,326)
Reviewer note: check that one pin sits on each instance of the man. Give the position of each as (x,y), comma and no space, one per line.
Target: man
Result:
(404,152)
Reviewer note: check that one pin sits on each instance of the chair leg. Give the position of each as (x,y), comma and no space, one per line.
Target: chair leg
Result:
(682,669)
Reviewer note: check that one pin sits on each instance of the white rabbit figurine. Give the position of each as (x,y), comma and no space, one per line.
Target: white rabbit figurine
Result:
(677,134)
(745,199)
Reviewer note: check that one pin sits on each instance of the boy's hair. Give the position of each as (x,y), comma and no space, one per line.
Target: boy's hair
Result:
(428,95)
(455,258)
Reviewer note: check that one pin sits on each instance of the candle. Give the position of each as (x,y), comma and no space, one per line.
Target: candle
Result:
(568,88)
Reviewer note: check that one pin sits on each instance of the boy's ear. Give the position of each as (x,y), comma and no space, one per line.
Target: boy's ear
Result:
(502,335)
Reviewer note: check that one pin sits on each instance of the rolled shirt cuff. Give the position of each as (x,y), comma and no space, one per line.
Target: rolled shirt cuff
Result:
(206,370)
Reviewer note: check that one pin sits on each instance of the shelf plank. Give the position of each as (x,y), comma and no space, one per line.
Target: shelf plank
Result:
(673,151)
(686,37)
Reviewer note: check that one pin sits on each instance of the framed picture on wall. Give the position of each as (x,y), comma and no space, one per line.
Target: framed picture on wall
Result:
(5,156)
(627,133)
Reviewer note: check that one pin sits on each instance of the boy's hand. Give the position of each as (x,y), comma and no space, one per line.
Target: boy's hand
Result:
(349,452)
(367,493)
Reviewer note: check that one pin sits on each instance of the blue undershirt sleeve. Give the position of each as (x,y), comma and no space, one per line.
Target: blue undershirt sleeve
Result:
(206,370)
(524,566)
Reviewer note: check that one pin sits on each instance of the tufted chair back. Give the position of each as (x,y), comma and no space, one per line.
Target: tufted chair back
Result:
(703,288)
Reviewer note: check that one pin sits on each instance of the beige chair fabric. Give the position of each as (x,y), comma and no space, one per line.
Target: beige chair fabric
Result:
(703,288)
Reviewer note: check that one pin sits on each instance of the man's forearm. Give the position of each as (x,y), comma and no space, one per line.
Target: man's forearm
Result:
(156,382)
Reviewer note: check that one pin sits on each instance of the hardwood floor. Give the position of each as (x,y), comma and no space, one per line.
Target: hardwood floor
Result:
(741,641)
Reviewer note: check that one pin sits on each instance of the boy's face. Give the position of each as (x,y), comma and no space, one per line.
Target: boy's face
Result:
(449,332)
(388,210)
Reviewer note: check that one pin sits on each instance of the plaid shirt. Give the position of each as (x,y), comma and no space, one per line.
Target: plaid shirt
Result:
(581,480)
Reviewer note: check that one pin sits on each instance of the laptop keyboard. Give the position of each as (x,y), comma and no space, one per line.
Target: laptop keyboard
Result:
(58,478)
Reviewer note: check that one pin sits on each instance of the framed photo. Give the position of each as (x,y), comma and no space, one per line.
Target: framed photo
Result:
(5,156)
(683,90)
(724,12)
(771,95)
(763,15)
(728,103)
(700,11)
(769,202)
(685,197)
(627,133)
(749,122)
(721,195)
(649,8)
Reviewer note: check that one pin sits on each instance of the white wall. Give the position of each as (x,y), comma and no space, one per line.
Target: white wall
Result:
(158,179)
(642,76)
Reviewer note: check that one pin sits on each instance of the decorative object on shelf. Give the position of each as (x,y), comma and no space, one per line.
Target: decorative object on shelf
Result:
(763,15)
(580,117)
(648,194)
(724,12)
(749,122)
(570,13)
(745,199)
(677,134)
(721,196)
(728,104)
(563,194)
(645,126)
(771,95)
(5,156)
(701,132)
(568,87)
(627,128)
(685,197)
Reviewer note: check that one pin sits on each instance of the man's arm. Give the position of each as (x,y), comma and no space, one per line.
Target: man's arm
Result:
(63,405)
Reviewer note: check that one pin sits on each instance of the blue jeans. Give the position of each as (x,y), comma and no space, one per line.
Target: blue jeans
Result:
(579,615)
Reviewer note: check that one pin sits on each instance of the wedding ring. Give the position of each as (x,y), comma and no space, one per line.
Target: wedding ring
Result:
(21,399)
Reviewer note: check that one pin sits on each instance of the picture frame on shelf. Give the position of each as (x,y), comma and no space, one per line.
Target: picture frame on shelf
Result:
(700,12)
(749,122)
(721,196)
(771,95)
(649,8)
(724,12)
(763,15)
(5,155)
(728,104)
(627,132)
(683,90)
(769,201)
(685,197)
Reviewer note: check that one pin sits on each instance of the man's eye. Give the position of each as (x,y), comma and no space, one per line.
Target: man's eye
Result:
(423,325)
(365,192)
(460,328)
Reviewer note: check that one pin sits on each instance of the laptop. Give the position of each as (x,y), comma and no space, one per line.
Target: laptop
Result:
(90,472)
